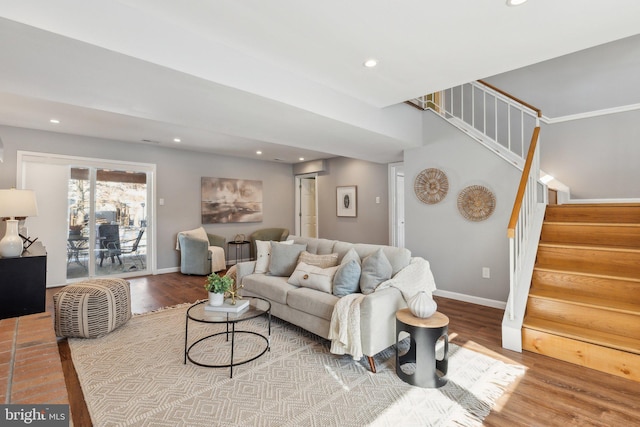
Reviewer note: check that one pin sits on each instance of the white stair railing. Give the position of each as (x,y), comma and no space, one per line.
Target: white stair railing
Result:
(499,121)
(510,128)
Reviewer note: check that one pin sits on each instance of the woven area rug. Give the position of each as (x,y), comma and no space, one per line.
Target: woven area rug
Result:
(135,376)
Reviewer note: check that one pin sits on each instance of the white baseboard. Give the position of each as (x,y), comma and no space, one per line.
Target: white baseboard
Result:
(167,270)
(470,298)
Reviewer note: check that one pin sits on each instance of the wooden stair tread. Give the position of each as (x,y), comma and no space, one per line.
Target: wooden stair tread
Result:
(592,271)
(604,339)
(584,300)
(594,224)
(590,247)
(605,213)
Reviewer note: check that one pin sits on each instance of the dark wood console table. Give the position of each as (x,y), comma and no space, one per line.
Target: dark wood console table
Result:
(24,282)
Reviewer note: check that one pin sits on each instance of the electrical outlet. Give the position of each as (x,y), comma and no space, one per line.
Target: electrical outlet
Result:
(486,272)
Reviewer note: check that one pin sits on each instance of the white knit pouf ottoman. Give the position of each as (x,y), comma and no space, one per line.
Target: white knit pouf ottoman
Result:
(92,308)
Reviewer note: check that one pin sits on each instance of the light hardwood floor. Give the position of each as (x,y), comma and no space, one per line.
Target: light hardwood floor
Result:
(551,393)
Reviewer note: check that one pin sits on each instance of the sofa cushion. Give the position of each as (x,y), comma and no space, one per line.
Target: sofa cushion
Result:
(314,277)
(315,245)
(322,261)
(376,268)
(398,257)
(347,278)
(270,287)
(284,258)
(313,302)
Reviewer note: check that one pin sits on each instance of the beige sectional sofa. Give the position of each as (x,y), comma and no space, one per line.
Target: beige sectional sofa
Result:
(312,309)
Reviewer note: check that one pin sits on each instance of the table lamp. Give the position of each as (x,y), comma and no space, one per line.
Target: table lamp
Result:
(15,203)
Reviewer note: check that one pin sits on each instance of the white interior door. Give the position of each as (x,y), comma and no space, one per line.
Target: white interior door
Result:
(399,206)
(308,215)
(306,199)
(396,204)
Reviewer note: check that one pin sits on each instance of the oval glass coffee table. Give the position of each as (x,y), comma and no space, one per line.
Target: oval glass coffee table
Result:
(197,313)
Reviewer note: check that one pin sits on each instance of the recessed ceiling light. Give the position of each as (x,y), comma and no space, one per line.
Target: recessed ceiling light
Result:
(259,152)
(370,63)
(177,140)
(515,2)
(54,121)
(301,158)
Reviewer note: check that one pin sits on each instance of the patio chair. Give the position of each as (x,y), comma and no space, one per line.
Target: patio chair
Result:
(109,239)
(132,248)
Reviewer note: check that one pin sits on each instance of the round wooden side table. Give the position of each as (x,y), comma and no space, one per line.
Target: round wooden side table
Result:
(424,335)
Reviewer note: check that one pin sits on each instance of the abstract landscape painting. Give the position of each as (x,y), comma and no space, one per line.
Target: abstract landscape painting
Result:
(231,200)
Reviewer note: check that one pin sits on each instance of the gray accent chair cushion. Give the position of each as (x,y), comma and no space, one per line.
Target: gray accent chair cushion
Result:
(195,257)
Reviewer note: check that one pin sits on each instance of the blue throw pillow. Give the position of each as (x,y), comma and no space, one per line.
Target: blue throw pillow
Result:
(347,279)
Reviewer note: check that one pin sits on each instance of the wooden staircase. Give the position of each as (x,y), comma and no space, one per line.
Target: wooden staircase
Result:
(584,301)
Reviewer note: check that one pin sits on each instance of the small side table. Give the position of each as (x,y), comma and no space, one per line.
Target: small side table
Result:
(239,251)
(424,335)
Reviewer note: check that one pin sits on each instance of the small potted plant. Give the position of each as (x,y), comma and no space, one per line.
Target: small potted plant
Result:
(217,286)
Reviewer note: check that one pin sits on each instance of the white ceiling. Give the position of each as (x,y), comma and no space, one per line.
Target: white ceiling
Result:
(281,76)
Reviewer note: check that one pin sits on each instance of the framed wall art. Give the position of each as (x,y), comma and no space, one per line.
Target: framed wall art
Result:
(347,200)
(230,200)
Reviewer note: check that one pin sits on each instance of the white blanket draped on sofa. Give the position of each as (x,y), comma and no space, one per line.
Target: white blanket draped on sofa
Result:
(344,331)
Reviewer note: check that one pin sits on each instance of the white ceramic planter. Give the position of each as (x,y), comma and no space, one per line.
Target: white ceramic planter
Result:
(216,299)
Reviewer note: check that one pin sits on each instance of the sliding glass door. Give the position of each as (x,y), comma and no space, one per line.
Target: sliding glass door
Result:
(107,222)
(95,216)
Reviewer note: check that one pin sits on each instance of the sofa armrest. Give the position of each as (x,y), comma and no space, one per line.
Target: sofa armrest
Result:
(244,269)
(378,319)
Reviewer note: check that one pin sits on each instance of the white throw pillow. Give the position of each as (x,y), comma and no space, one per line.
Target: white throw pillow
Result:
(310,276)
(263,255)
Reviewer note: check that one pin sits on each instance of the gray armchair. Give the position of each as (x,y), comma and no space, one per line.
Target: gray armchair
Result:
(195,256)
(275,234)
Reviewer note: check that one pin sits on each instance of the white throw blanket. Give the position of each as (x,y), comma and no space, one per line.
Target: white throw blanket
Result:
(344,331)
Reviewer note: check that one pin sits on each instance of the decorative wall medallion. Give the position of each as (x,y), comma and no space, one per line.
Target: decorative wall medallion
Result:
(431,186)
(476,203)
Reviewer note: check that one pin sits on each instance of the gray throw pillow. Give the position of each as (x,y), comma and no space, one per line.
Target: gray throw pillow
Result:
(376,268)
(347,279)
(284,258)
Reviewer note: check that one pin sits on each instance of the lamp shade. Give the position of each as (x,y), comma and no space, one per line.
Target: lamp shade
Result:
(18,203)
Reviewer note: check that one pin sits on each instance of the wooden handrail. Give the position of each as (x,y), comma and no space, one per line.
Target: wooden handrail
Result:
(508,95)
(511,229)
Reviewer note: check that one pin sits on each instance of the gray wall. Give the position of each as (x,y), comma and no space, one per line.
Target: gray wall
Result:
(372,223)
(178,181)
(458,249)
(597,157)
